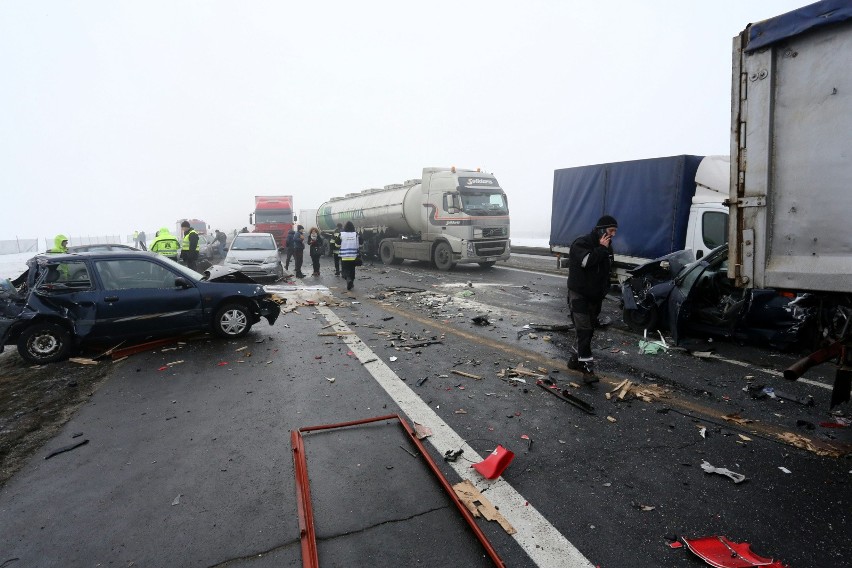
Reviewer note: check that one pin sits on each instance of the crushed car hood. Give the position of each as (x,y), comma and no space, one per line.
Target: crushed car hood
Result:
(219,273)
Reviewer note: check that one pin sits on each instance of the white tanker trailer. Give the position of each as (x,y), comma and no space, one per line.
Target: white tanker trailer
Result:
(449,216)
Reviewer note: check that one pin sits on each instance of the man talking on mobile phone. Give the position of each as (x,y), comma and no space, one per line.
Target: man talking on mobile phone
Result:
(589,264)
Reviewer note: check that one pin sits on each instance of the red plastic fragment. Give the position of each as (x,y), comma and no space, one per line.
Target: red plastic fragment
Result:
(222,363)
(495,464)
(721,552)
(163,368)
(676,544)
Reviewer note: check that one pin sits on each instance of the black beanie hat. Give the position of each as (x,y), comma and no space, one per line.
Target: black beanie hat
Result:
(606,222)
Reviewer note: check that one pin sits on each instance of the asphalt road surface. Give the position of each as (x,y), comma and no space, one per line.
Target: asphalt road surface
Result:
(189,460)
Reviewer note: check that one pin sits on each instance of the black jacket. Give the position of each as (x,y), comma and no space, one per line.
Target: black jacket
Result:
(592,279)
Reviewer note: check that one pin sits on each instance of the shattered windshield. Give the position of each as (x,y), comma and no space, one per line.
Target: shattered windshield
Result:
(484,203)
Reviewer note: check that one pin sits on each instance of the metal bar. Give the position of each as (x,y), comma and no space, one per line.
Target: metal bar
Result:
(569,398)
(307,535)
(310,558)
(452,494)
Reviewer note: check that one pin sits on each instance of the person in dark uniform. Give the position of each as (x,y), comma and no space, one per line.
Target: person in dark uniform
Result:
(334,245)
(299,250)
(589,265)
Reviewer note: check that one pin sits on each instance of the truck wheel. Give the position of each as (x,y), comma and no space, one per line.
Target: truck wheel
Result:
(44,343)
(232,320)
(640,319)
(488,264)
(444,256)
(386,254)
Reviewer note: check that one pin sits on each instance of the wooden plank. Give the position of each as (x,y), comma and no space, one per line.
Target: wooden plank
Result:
(468,375)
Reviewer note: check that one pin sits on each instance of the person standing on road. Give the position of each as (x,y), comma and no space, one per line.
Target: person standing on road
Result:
(348,253)
(299,250)
(189,245)
(136,239)
(222,240)
(289,244)
(165,244)
(141,238)
(315,247)
(334,246)
(589,264)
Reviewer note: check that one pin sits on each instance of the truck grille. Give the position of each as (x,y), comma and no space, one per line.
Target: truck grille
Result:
(490,249)
(493,232)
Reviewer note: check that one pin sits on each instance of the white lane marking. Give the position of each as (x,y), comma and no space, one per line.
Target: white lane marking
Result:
(546,546)
(767,371)
(563,276)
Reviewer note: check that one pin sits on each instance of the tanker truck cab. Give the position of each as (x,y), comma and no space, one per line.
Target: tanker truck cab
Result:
(467,217)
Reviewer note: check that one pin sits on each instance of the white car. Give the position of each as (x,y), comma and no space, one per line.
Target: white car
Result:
(256,256)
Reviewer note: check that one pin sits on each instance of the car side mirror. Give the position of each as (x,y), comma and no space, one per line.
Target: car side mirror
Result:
(181,282)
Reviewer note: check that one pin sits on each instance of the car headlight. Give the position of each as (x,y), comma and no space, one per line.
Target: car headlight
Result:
(232,261)
(271,260)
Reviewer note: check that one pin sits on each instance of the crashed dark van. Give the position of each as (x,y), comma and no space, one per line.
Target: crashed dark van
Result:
(686,296)
(64,300)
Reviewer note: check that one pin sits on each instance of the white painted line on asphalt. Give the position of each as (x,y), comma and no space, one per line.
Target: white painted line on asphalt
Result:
(546,546)
(767,371)
(527,270)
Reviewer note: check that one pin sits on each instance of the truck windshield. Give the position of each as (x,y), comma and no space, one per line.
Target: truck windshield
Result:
(272,216)
(484,203)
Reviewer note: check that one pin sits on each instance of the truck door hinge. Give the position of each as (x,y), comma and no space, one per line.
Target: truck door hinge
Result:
(756,201)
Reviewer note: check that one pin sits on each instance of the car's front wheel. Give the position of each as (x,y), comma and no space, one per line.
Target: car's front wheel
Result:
(232,320)
(641,318)
(44,342)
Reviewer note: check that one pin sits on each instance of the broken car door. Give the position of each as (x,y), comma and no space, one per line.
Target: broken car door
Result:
(141,297)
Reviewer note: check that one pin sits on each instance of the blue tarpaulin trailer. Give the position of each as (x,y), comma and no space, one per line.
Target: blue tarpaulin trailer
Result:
(651,200)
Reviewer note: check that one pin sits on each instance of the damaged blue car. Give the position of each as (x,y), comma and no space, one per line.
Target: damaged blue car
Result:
(64,300)
(687,297)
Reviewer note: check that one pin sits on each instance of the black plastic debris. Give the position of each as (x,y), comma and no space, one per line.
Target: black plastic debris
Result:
(64,449)
(453,455)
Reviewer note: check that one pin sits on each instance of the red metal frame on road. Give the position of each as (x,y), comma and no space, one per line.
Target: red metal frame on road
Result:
(310,559)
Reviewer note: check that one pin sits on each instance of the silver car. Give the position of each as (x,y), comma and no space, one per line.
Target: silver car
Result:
(256,256)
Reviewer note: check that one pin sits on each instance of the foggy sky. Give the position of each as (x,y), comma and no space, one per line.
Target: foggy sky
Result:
(117,116)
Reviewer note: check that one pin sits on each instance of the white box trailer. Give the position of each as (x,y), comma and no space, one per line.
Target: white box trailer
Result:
(791,171)
(791,149)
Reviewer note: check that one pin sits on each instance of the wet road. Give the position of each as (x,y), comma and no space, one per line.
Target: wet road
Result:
(191,465)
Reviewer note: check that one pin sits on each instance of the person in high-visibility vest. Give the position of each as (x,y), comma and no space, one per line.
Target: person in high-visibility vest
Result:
(60,245)
(189,245)
(165,244)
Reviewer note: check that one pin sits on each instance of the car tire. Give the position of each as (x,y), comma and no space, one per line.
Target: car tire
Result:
(232,320)
(640,319)
(488,263)
(443,256)
(44,342)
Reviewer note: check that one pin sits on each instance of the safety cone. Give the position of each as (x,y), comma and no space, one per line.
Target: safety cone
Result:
(495,464)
